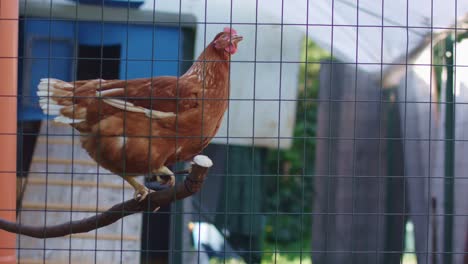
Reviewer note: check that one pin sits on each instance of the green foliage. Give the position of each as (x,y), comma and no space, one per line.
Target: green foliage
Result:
(292,191)
(294,252)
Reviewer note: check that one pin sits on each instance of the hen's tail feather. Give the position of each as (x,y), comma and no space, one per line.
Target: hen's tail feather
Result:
(56,98)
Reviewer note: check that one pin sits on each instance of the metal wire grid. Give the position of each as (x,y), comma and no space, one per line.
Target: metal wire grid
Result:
(199,214)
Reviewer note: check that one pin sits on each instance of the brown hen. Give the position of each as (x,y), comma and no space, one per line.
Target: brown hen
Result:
(141,126)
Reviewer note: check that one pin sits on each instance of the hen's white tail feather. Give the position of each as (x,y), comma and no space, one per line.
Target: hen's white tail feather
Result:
(110,92)
(66,120)
(51,106)
(51,109)
(46,100)
(129,107)
(54,95)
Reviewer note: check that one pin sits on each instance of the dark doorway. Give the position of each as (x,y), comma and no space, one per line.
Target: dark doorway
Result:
(98,62)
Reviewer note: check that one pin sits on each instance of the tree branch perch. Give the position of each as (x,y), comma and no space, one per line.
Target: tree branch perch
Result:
(191,184)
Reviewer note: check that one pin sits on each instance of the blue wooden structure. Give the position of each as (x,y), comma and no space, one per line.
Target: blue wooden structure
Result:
(119,3)
(57,48)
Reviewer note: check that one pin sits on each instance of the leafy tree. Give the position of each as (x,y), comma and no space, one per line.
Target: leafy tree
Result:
(291,191)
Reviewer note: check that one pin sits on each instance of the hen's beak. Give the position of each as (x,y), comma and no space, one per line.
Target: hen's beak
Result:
(236,38)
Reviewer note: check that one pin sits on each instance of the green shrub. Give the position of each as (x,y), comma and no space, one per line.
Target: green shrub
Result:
(291,192)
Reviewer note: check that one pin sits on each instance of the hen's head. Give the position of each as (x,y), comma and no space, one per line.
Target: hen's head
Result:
(227,40)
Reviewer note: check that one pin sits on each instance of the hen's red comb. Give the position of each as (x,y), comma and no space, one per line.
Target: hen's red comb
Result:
(230,30)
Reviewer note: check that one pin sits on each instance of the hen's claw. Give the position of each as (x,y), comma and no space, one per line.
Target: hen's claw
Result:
(141,193)
(166,180)
(165,176)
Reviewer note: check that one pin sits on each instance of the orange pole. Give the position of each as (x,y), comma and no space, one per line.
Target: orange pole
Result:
(8,92)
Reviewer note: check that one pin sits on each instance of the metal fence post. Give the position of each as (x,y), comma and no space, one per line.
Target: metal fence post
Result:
(449,153)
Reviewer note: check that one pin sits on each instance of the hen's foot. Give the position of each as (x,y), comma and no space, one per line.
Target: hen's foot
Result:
(164,176)
(141,193)
(166,180)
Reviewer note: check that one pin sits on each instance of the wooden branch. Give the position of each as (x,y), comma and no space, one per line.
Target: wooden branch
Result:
(191,184)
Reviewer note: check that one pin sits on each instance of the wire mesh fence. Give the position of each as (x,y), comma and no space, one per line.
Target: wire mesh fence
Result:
(336,130)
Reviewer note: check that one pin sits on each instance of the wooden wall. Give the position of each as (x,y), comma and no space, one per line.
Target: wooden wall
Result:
(65,184)
(358,208)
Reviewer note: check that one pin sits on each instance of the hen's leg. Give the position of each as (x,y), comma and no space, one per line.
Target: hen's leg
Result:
(165,176)
(140,191)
